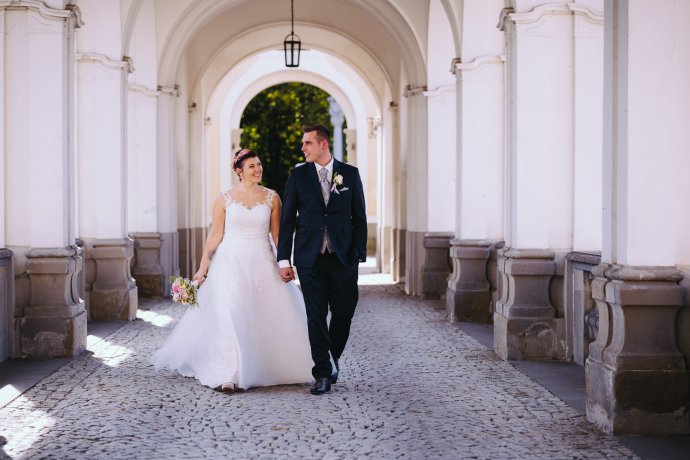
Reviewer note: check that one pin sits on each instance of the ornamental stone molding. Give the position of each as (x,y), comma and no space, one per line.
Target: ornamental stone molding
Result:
(146,91)
(440,91)
(169,90)
(478,63)
(637,379)
(539,13)
(411,90)
(52,14)
(107,61)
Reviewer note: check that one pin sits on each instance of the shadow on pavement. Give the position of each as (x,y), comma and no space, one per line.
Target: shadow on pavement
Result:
(566,381)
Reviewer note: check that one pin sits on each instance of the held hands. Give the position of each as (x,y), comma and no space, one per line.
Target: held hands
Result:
(287,274)
(199,277)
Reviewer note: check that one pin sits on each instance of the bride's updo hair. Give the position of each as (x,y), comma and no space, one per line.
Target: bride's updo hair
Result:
(239,158)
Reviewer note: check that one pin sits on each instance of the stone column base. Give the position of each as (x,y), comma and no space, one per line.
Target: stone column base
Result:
(525,326)
(637,380)
(169,259)
(468,297)
(436,267)
(114,291)
(399,256)
(147,270)
(54,321)
(6,303)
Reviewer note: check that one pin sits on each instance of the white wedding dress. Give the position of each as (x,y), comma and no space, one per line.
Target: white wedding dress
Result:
(251,327)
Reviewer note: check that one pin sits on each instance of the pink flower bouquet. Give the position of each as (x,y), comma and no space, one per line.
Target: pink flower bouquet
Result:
(184,291)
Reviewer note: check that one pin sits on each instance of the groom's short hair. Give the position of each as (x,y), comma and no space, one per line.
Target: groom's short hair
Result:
(322,133)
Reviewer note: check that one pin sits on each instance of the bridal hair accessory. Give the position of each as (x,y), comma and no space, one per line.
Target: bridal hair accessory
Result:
(337,182)
(238,160)
(184,291)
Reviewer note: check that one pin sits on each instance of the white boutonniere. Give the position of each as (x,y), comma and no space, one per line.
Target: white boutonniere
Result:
(337,182)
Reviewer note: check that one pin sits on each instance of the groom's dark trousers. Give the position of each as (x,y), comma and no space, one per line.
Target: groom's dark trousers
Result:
(327,279)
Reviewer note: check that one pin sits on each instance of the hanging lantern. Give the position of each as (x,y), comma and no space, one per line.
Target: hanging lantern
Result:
(292,45)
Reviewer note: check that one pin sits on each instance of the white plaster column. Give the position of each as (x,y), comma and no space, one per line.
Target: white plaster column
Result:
(236,141)
(350,141)
(142,164)
(167,184)
(539,178)
(38,76)
(102,153)
(416,179)
(337,120)
(637,379)
(440,154)
(479,224)
(396,192)
(142,189)
(588,78)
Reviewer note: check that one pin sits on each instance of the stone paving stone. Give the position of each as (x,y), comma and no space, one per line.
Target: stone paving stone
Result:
(411,386)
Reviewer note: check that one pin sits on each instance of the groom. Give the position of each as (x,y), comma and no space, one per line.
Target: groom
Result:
(324,209)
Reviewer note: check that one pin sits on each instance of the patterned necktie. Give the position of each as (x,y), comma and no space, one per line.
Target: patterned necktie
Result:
(326,192)
(325,186)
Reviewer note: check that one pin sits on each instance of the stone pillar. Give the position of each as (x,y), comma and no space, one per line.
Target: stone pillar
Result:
(637,380)
(468,297)
(142,181)
(479,79)
(417,189)
(54,324)
(167,185)
(102,151)
(39,159)
(147,270)
(538,179)
(436,267)
(525,323)
(337,120)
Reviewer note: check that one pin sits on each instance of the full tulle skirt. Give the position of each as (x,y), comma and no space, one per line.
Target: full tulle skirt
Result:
(250,328)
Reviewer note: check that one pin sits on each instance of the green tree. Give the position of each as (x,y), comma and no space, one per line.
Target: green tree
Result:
(272,124)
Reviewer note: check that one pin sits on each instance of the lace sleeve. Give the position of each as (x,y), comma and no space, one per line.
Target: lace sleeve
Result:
(227,197)
(269,198)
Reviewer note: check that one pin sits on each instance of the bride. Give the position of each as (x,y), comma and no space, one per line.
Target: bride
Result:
(250,328)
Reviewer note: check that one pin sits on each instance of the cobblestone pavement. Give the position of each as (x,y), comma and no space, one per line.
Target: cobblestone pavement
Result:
(412,386)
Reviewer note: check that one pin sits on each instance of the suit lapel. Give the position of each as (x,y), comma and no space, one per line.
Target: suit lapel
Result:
(336,168)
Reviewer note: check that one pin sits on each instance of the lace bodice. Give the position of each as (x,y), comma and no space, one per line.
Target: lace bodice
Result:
(247,221)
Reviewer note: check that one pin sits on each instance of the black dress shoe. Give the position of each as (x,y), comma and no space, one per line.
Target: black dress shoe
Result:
(321,386)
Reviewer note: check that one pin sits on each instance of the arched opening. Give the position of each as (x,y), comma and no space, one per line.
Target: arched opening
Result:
(271,125)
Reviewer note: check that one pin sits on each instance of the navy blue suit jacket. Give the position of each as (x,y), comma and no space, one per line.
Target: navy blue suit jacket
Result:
(305,215)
